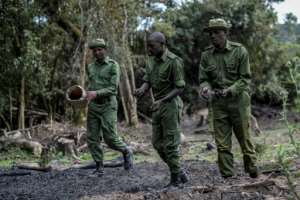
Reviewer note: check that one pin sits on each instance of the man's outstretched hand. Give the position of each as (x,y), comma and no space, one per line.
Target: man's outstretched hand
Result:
(90,95)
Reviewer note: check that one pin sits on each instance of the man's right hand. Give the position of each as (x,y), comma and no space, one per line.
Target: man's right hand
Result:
(205,92)
(139,92)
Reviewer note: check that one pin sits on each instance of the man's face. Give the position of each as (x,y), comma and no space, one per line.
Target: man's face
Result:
(154,48)
(99,53)
(218,37)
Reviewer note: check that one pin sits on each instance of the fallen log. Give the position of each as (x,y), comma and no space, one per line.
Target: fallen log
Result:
(203,189)
(15,174)
(107,164)
(17,138)
(35,168)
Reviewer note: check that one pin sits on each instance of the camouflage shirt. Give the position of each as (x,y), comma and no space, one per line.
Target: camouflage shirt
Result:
(228,68)
(164,74)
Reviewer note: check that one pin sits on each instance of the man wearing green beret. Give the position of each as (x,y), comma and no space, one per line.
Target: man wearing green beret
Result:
(103,80)
(164,74)
(225,77)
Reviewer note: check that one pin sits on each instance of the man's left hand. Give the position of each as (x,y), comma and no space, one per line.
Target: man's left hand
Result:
(225,92)
(91,95)
(156,104)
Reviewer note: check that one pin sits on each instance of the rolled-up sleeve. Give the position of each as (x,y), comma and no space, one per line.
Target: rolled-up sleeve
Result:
(242,84)
(178,73)
(203,77)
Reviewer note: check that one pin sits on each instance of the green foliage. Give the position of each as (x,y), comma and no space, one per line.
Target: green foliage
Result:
(284,161)
(11,155)
(253,24)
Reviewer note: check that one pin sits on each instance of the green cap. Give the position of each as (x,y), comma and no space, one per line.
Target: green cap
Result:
(217,24)
(97,43)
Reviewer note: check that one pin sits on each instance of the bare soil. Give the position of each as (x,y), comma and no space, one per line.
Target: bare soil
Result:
(146,181)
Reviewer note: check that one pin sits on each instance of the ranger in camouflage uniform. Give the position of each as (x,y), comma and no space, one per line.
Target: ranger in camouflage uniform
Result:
(103,80)
(225,75)
(164,74)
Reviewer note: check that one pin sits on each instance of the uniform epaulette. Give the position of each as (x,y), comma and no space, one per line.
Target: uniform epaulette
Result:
(236,44)
(209,47)
(112,61)
(172,55)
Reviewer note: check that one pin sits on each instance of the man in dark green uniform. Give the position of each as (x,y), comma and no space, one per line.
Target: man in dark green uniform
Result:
(225,77)
(103,79)
(164,74)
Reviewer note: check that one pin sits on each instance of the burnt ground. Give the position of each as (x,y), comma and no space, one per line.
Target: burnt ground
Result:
(144,182)
(148,178)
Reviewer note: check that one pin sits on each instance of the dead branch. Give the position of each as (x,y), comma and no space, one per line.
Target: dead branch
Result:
(35,168)
(203,189)
(15,174)
(107,164)
(145,117)
(264,183)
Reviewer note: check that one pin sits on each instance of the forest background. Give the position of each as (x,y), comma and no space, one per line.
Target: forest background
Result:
(44,51)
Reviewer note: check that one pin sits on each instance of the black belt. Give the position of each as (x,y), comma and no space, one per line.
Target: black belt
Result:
(101,100)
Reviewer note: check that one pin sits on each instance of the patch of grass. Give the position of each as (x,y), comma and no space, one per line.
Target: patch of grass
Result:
(198,151)
(11,155)
(153,157)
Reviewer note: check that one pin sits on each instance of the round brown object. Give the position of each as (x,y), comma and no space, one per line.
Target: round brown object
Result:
(75,93)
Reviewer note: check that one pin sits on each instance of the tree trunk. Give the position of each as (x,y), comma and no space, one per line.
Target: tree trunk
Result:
(82,112)
(128,100)
(21,119)
(127,85)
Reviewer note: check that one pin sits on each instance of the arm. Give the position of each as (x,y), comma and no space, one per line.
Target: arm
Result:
(146,85)
(175,92)
(178,78)
(242,84)
(205,86)
(141,91)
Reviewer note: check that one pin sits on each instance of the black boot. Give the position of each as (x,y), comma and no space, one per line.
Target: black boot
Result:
(174,182)
(183,177)
(128,159)
(254,174)
(99,171)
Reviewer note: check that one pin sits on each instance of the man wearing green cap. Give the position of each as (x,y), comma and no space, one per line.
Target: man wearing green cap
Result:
(225,77)
(103,80)
(164,74)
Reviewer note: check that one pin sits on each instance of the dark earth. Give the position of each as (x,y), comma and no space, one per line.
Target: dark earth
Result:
(147,180)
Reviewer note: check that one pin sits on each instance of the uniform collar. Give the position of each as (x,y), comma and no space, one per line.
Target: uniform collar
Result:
(105,61)
(164,56)
(228,47)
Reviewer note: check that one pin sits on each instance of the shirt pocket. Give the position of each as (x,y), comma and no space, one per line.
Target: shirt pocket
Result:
(164,73)
(232,67)
(211,70)
(103,78)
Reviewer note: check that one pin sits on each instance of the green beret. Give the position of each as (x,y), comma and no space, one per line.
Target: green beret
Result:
(217,24)
(97,43)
